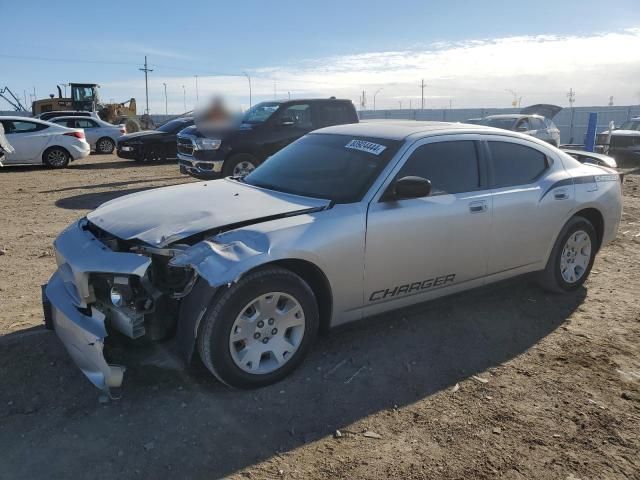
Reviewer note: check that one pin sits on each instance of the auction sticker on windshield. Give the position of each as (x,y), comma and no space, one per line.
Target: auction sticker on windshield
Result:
(364,146)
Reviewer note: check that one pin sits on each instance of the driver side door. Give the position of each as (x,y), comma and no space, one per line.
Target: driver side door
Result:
(421,248)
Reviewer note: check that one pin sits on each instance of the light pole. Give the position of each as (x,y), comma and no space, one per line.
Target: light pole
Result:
(400,102)
(249,79)
(374,98)
(184,98)
(166,109)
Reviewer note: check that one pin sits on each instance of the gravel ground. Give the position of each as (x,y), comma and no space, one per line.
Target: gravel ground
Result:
(502,382)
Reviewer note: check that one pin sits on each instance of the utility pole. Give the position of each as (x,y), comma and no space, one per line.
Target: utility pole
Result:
(184,98)
(363,100)
(249,79)
(611,101)
(289,93)
(571,95)
(400,102)
(146,70)
(374,98)
(410,107)
(166,110)
(422,85)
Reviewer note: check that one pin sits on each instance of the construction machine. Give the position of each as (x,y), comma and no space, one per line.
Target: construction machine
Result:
(84,97)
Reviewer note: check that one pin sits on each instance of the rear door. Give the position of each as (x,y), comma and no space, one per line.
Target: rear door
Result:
(289,123)
(92,131)
(418,246)
(28,140)
(525,215)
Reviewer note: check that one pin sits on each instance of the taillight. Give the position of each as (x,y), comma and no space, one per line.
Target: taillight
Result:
(75,134)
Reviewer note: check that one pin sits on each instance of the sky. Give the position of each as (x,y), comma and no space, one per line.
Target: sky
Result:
(469,53)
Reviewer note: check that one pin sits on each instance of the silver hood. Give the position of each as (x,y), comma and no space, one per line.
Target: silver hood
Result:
(165,215)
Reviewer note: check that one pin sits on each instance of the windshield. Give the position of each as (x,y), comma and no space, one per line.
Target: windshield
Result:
(334,167)
(504,123)
(260,113)
(632,125)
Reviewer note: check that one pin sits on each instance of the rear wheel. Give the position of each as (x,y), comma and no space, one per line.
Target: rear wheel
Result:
(56,157)
(105,145)
(572,257)
(239,165)
(259,329)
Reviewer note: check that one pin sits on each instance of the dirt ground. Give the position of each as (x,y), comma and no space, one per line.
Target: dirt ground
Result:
(502,382)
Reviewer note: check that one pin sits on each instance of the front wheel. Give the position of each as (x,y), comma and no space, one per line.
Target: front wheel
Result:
(572,257)
(259,329)
(56,157)
(239,165)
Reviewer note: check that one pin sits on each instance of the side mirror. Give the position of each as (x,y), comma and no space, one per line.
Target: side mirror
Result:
(411,187)
(287,121)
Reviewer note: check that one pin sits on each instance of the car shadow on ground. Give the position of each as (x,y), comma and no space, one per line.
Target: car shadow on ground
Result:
(89,201)
(119,164)
(113,184)
(173,419)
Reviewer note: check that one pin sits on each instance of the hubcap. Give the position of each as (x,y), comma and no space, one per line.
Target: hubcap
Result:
(266,333)
(243,168)
(575,257)
(56,158)
(105,146)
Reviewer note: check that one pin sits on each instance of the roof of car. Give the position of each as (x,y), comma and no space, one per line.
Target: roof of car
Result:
(514,115)
(401,129)
(18,117)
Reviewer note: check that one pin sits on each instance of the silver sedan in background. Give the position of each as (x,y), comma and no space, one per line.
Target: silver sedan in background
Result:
(102,136)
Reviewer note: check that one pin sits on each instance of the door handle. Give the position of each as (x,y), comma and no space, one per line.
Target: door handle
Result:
(478,207)
(561,195)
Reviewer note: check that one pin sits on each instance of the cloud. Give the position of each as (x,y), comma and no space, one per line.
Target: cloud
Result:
(474,73)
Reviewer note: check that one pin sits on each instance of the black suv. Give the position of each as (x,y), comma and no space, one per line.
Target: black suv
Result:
(265,128)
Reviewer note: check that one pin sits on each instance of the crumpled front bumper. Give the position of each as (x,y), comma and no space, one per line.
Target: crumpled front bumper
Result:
(68,299)
(82,335)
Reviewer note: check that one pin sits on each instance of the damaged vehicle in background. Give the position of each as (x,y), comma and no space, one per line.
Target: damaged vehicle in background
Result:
(347,222)
(153,145)
(535,120)
(623,140)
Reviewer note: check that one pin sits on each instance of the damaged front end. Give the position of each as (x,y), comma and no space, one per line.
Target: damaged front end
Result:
(105,284)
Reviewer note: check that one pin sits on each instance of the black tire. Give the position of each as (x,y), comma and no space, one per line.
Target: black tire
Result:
(215,328)
(56,157)
(551,277)
(105,145)
(232,162)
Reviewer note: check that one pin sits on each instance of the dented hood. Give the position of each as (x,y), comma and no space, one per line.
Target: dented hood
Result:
(165,215)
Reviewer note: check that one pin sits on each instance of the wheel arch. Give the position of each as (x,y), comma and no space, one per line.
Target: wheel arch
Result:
(597,220)
(50,147)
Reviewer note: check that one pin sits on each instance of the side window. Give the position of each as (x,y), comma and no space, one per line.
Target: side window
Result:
(452,167)
(66,122)
(523,125)
(536,124)
(84,123)
(334,114)
(299,114)
(18,126)
(515,164)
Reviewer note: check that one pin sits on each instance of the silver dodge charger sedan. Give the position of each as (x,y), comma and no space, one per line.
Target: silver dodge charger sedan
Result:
(346,222)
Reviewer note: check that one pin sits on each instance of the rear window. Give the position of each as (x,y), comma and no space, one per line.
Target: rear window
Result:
(515,164)
(335,113)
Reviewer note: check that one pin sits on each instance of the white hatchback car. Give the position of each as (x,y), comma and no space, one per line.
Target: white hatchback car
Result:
(37,142)
(102,136)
